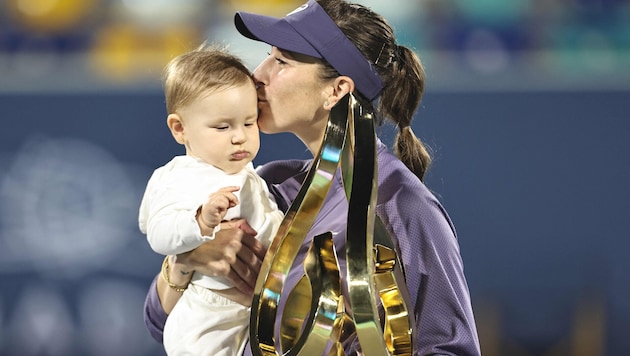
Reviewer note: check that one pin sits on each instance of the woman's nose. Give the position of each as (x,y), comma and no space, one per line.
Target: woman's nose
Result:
(260,73)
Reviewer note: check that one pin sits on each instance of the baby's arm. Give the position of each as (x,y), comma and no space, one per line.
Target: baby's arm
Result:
(212,212)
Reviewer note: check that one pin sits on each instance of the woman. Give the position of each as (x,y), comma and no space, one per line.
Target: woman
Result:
(313,63)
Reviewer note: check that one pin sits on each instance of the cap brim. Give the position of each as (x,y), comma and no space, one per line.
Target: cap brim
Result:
(308,30)
(273,31)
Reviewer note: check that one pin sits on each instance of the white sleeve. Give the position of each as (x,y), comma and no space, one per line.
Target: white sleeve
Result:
(167,214)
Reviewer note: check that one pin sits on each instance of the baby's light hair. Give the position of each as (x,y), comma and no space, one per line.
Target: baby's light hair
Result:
(197,73)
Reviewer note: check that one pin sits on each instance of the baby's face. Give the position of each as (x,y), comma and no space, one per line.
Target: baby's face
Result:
(221,128)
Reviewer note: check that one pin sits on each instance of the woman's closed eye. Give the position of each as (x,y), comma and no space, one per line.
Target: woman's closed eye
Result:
(278,59)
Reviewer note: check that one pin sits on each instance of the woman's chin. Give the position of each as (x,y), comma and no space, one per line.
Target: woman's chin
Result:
(265,125)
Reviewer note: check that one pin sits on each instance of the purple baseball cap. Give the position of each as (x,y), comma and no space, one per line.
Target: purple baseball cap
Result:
(309,30)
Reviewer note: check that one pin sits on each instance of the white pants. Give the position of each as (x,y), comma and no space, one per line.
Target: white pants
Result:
(205,323)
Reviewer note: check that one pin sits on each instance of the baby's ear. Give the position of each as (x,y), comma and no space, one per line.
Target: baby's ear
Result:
(176,125)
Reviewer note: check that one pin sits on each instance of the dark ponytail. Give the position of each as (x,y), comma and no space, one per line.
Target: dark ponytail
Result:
(399,68)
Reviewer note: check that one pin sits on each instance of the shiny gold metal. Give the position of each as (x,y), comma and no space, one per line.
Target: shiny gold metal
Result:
(322,271)
(284,248)
(314,320)
(397,324)
(359,233)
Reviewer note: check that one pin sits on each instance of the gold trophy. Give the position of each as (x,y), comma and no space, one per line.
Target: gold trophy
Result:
(317,317)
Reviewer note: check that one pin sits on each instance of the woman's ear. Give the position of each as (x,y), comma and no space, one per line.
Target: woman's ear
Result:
(341,86)
(176,125)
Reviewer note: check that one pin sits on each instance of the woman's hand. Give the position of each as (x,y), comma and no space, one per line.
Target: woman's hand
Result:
(233,253)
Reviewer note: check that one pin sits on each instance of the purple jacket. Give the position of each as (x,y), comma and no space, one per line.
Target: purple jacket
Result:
(427,245)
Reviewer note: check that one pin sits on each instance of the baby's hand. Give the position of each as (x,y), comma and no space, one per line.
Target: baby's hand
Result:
(214,209)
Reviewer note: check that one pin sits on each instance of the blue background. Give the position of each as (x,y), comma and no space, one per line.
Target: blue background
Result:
(536,183)
(526,112)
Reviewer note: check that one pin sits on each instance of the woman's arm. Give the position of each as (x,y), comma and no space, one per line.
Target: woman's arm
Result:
(164,292)
(234,253)
(434,271)
(172,282)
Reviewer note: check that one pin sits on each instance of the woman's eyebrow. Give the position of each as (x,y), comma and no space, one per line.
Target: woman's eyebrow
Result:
(286,53)
(298,56)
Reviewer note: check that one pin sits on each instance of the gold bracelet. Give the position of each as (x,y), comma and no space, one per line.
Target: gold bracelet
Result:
(167,280)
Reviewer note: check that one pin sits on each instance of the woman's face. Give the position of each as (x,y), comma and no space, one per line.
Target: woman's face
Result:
(291,96)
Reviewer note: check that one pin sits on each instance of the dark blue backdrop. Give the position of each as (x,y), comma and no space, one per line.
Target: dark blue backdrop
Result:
(534,181)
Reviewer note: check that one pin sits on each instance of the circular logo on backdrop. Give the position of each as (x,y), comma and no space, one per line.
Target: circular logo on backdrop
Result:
(64,203)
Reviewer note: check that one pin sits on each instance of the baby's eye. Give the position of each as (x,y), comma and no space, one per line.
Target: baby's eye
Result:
(221,128)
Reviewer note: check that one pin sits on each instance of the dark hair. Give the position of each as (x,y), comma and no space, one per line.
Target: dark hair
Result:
(399,68)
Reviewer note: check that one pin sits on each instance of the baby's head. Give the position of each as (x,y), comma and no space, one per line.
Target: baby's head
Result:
(212,107)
